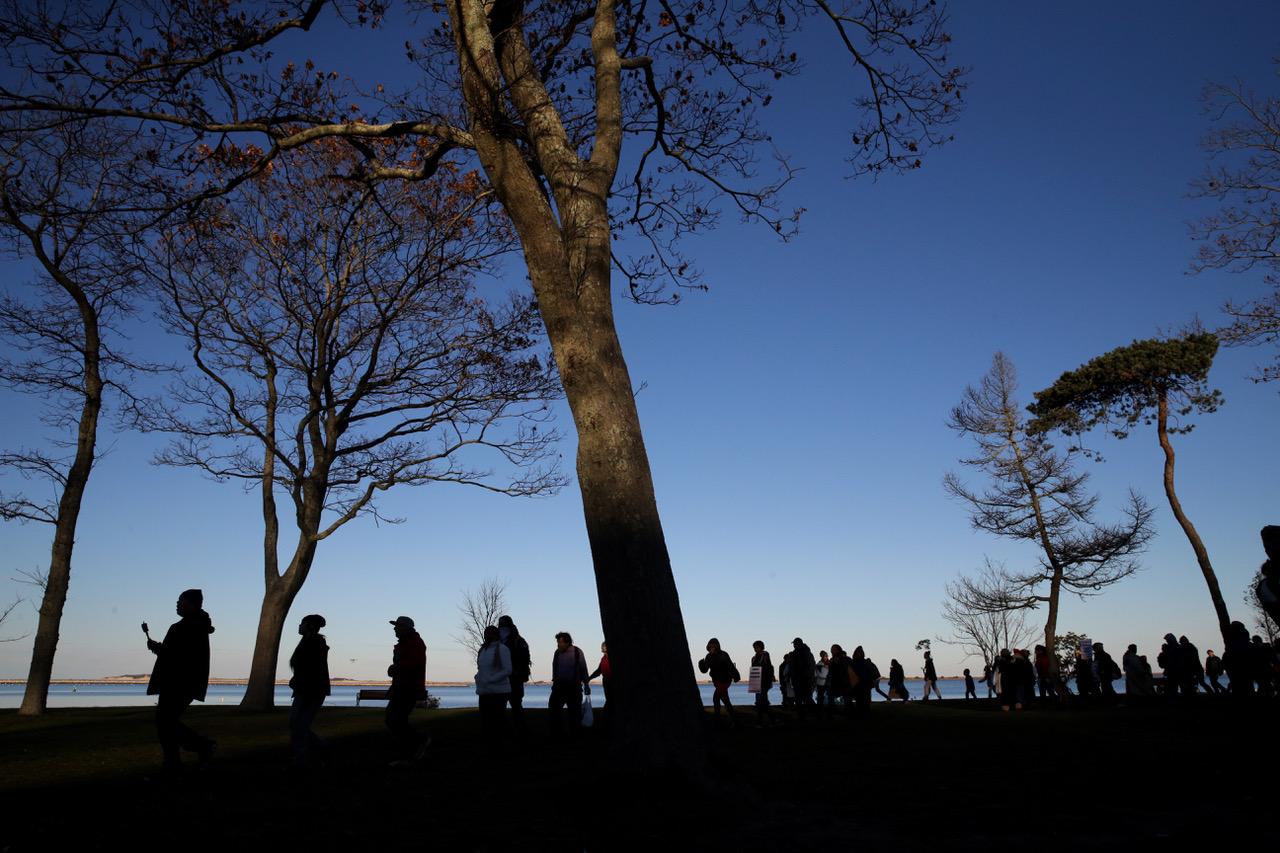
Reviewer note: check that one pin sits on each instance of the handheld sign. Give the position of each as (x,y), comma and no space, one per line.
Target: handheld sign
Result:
(756,676)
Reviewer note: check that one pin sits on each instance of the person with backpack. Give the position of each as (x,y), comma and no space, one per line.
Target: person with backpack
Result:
(521,667)
(876,678)
(723,673)
(180,677)
(310,685)
(1107,671)
(764,711)
(569,683)
(493,682)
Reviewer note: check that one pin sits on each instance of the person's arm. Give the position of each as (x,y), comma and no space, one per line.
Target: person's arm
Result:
(504,661)
(597,670)
(582,671)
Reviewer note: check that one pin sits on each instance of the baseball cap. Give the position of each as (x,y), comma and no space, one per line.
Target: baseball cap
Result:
(402,622)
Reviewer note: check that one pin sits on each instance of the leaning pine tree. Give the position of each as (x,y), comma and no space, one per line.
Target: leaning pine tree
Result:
(1158,381)
(1035,495)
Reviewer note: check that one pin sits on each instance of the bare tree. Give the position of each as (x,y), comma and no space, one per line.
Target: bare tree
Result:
(479,609)
(540,96)
(1035,495)
(340,350)
(4,615)
(1261,618)
(62,190)
(1243,176)
(979,630)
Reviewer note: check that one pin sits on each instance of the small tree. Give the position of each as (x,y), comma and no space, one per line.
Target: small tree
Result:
(1160,382)
(339,351)
(61,193)
(1035,495)
(1066,647)
(980,630)
(480,608)
(1261,618)
(1243,176)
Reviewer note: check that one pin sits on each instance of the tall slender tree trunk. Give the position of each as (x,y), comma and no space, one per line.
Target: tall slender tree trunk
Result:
(35,698)
(1197,545)
(259,694)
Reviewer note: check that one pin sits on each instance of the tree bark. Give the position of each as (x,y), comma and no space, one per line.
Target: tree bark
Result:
(1197,545)
(259,694)
(35,697)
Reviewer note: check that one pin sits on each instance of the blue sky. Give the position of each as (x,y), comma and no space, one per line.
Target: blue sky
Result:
(795,413)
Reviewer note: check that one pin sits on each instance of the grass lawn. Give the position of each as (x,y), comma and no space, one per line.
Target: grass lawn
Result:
(908,777)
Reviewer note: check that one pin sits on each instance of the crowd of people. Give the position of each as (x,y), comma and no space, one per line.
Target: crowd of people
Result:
(810,684)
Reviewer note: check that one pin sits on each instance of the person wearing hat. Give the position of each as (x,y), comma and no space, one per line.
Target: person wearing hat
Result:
(310,684)
(180,677)
(408,672)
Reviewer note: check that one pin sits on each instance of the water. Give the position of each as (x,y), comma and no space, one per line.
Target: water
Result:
(536,695)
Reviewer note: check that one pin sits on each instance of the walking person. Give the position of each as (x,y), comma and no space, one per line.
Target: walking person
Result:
(180,677)
(861,682)
(988,678)
(876,678)
(521,668)
(1213,670)
(723,673)
(930,678)
(1085,683)
(1137,673)
(1108,672)
(821,671)
(841,680)
(1170,660)
(764,711)
(1237,660)
(1190,657)
(1008,680)
(569,683)
(784,680)
(310,685)
(970,689)
(605,671)
(1044,674)
(802,665)
(898,681)
(493,683)
(408,673)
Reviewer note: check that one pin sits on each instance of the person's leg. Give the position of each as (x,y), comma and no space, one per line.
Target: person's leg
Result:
(573,707)
(167,710)
(516,699)
(397,719)
(301,739)
(554,706)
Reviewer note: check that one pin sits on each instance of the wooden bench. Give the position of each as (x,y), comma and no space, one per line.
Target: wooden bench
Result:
(380,694)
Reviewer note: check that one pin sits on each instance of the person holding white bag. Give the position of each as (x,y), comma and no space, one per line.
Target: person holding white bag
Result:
(493,681)
(569,681)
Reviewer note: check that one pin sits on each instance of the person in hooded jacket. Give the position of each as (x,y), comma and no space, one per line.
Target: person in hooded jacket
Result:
(180,677)
(1194,669)
(493,682)
(898,681)
(1108,672)
(802,666)
(521,667)
(310,684)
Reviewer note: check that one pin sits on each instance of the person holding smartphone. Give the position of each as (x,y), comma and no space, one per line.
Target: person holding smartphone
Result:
(180,677)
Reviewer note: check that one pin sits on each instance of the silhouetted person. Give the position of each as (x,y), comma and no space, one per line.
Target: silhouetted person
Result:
(1237,660)
(1006,669)
(970,689)
(180,677)
(1044,674)
(521,667)
(1108,672)
(764,711)
(930,677)
(1170,660)
(493,682)
(605,671)
(802,664)
(310,684)
(1268,588)
(841,680)
(821,672)
(1213,669)
(1137,673)
(862,681)
(723,673)
(1025,689)
(1086,685)
(569,682)
(1264,667)
(898,681)
(988,678)
(1189,655)
(408,673)
(784,681)
(876,678)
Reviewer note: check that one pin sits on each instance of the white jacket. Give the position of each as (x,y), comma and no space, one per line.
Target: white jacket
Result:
(493,677)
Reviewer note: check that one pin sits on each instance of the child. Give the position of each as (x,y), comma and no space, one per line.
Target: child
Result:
(970,689)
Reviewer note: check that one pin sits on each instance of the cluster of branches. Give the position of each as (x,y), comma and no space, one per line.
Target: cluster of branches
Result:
(978,628)
(1244,233)
(479,609)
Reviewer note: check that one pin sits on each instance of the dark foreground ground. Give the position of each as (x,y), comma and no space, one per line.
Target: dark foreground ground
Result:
(942,775)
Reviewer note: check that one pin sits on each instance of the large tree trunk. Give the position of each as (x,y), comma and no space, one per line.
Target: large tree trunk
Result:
(1197,545)
(36,696)
(259,694)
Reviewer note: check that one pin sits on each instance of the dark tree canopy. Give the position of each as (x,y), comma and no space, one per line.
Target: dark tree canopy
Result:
(1123,388)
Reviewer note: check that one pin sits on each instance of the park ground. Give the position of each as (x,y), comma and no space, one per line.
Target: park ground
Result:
(917,776)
